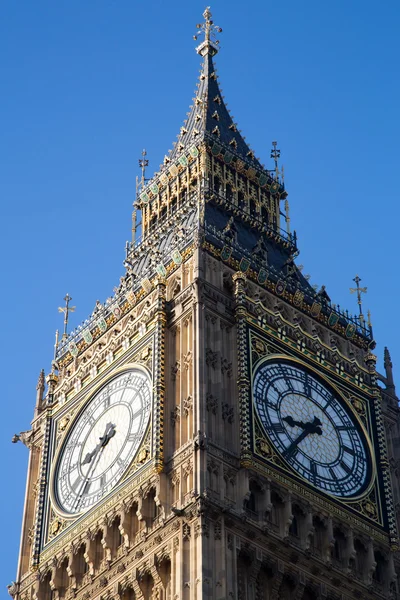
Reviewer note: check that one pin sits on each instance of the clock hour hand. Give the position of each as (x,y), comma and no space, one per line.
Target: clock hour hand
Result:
(313,426)
(290,421)
(108,434)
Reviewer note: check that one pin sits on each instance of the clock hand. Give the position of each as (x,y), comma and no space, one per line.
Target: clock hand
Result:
(108,434)
(313,426)
(290,421)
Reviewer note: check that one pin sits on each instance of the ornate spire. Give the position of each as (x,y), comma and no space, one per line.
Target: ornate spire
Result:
(387,363)
(209,118)
(40,387)
(41,383)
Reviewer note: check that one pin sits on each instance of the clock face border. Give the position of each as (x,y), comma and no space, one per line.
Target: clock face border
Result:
(55,461)
(285,467)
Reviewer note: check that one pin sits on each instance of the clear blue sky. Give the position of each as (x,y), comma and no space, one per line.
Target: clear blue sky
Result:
(86,85)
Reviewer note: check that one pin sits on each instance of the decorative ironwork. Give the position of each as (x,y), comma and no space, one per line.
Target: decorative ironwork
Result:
(359,290)
(210,30)
(275,155)
(66,310)
(143,163)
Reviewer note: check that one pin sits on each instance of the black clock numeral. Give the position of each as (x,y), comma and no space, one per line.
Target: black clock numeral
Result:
(349,450)
(106,402)
(307,386)
(313,470)
(121,463)
(333,473)
(291,452)
(345,467)
(278,428)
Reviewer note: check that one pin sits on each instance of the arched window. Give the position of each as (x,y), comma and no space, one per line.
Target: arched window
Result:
(229,192)
(340,544)
(379,573)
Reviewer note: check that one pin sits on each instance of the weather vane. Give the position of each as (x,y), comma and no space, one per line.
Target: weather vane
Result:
(275,154)
(359,290)
(66,310)
(209,30)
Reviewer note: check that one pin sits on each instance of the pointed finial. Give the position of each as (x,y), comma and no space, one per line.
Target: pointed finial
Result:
(56,343)
(41,382)
(143,163)
(387,360)
(66,310)
(210,44)
(287,217)
(359,290)
(387,363)
(275,154)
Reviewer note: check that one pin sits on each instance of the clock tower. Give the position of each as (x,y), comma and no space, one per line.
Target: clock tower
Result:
(217,429)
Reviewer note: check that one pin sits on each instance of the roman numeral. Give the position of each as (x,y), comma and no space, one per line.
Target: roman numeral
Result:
(103,481)
(133,437)
(107,402)
(307,386)
(313,469)
(333,474)
(345,467)
(290,453)
(278,428)
(76,483)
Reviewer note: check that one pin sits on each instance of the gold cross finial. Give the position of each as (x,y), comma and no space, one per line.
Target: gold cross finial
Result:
(66,310)
(359,290)
(143,163)
(210,44)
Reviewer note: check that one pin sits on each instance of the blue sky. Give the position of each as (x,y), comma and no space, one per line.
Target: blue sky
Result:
(86,85)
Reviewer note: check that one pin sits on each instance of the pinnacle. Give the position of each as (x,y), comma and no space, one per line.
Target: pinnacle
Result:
(40,383)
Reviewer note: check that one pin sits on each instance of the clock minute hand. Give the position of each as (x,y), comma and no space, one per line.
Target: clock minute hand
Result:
(108,434)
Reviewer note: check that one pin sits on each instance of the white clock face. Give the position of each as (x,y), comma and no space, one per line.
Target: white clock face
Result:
(311,428)
(103,441)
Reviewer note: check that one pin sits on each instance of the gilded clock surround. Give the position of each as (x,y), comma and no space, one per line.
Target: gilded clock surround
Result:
(367,505)
(272,358)
(129,367)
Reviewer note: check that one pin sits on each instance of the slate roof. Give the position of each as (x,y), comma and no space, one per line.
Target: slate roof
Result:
(209,117)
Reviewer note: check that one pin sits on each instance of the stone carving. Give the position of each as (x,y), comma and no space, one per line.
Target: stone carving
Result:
(211,358)
(187,405)
(212,404)
(227,412)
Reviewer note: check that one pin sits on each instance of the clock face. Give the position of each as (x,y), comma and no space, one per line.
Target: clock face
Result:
(103,441)
(310,426)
